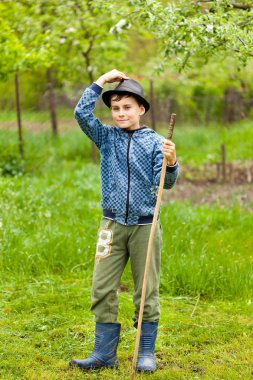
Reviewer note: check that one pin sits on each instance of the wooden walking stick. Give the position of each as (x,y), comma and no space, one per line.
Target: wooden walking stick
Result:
(149,251)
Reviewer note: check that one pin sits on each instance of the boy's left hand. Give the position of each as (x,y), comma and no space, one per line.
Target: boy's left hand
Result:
(169,151)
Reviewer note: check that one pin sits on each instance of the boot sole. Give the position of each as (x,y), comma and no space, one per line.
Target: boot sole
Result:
(74,365)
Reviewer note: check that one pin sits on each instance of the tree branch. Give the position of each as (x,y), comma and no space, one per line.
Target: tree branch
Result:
(238,51)
(245,7)
(86,55)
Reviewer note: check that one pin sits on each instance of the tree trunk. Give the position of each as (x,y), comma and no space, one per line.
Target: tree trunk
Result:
(233,106)
(18,108)
(152,105)
(86,55)
(51,103)
(94,155)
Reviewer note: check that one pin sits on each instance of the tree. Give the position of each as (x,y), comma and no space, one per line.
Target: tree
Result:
(12,51)
(85,40)
(14,57)
(188,29)
(82,50)
(66,38)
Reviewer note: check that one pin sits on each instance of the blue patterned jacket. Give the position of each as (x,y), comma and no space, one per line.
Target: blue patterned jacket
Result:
(130,164)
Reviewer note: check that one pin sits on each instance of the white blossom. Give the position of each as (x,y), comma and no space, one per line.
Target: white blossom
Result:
(121,23)
(209,28)
(70,30)
(119,26)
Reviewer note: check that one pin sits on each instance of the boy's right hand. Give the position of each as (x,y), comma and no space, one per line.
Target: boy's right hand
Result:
(110,77)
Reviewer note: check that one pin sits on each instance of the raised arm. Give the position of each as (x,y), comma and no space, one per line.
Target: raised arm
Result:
(84,115)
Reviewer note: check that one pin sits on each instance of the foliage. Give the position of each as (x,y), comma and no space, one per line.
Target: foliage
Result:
(65,36)
(188,29)
(20,46)
(11,165)
(135,36)
(90,50)
(12,51)
(197,94)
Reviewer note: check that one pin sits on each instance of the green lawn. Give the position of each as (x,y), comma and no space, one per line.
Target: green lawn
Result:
(46,321)
(50,212)
(50,220)
(196,145)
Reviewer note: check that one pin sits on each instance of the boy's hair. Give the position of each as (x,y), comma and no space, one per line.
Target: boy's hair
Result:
(118,97)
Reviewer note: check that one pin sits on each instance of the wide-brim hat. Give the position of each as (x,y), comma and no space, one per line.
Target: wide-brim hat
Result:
(127,87)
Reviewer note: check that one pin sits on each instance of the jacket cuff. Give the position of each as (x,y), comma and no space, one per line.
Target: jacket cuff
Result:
(96,88)
(172,169)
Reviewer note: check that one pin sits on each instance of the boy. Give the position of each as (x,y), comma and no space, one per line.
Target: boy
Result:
(131,162)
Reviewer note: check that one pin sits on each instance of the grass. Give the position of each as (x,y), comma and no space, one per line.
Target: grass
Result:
(45,322)
(201,145)
(50,212)
(49,225)
(30,115)
(202,254)
(196,145)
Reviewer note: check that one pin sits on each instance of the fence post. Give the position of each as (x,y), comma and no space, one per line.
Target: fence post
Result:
(51,103)
(223,163)
(18,108)
(152,101)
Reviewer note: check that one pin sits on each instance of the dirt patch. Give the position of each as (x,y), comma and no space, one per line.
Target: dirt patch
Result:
(235,172)
(209,193)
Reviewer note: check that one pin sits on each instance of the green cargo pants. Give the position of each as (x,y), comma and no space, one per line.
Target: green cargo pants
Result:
(116,244)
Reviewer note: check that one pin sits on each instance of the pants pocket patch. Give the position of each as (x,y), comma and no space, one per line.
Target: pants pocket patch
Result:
(104,242)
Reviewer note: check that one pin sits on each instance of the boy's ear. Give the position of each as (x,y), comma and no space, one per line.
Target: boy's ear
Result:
(142,109)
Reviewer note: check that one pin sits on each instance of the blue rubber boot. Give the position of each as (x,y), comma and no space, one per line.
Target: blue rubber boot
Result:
(146,357)
(104,352)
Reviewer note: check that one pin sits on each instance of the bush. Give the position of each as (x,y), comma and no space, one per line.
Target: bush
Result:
(11,165)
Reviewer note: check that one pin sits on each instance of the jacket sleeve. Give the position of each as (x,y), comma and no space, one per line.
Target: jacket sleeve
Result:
(171,171)
(87,121)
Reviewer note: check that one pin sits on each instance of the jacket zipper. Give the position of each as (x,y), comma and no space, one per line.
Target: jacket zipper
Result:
(128,171)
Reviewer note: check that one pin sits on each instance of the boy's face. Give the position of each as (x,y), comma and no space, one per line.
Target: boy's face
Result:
(126,112)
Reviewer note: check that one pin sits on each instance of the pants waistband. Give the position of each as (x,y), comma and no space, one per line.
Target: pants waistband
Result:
(141,220)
